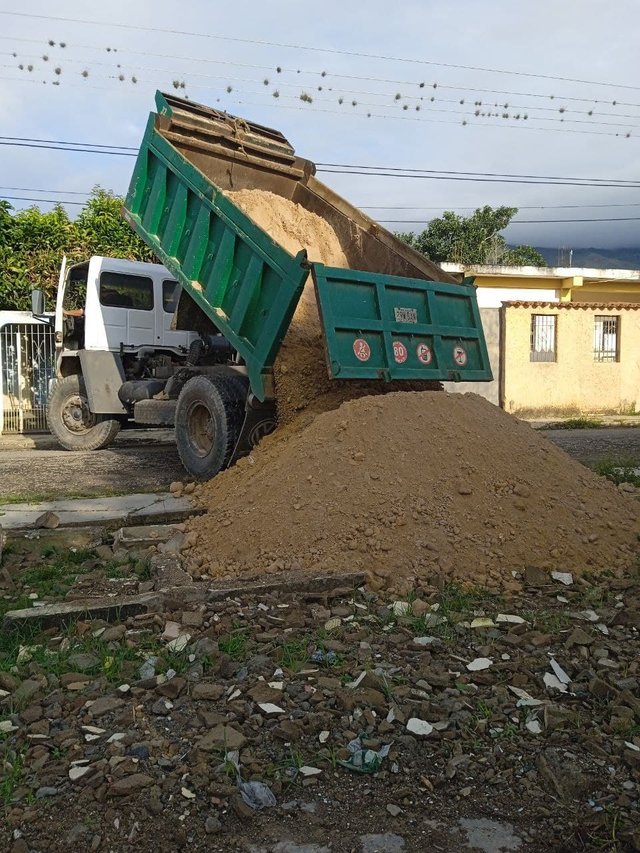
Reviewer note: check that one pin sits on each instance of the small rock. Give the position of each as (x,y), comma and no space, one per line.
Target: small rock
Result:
(176,488)
(207,691)
(221,735)
(105,705)
(130,784)
(212,825)
(47,521)
(394,810)
(479,664)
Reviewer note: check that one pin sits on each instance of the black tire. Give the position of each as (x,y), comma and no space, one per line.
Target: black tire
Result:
(207,426)
(71,421)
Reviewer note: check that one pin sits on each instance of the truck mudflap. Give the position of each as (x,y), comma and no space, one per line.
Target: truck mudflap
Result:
(387,327)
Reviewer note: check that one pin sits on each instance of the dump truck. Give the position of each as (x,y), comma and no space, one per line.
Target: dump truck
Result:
(392,315)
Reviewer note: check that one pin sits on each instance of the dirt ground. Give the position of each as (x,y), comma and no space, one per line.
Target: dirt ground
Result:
(135,464)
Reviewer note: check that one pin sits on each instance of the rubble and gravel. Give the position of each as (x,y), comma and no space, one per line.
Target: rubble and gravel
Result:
(112,741)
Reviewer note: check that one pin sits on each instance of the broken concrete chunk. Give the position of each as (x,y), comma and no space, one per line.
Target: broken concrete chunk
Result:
(47,521)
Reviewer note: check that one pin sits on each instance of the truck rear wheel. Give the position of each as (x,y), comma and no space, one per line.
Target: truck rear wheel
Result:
(71,421)
(208,423)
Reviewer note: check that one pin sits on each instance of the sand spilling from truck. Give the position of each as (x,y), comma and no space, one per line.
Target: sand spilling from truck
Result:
(302,381)
(413,485)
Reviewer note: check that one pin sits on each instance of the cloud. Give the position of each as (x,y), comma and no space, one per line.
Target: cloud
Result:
(544,38)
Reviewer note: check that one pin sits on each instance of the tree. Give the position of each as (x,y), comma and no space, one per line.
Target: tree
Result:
(32,244)
(474,239)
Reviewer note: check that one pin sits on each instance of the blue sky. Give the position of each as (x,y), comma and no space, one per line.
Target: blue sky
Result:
(579,39)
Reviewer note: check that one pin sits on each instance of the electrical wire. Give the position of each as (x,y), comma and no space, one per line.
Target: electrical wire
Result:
(315,48)
(331,74)
(350,169)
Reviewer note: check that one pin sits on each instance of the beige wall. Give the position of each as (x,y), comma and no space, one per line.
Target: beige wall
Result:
(489,390)
(575,383)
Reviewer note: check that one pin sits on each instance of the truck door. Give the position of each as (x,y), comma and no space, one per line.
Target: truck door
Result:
(127,307)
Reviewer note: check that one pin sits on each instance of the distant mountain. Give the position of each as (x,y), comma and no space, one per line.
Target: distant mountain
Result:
(620,259)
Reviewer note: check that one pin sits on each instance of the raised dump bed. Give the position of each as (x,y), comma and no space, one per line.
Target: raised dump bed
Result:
(392,315)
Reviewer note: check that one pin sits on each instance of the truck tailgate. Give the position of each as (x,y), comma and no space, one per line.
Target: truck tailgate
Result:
(390,327)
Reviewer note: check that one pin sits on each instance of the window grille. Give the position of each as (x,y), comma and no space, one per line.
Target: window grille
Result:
(543,337)
(605,338)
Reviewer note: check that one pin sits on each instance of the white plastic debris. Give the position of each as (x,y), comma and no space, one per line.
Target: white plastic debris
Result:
(270,708)
(400,608)
(93,730)
(551,681)
(323,737)
(525,700)
(307,771)
(357,681)
(479,664)
(187,794)
(116,737)
(510,618)
(602,628)
(563,577)
(419,727)
(7,726)
(482,622)
(561,675)
(632,746)
(276,685)
(333,623)
(533,726)
(180,643)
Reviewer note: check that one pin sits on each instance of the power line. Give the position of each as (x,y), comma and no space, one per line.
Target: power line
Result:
(468,121)
(330,74)
(40,200)
(315,48)
(383,221)
(397,105)
(361,169)
(369,206)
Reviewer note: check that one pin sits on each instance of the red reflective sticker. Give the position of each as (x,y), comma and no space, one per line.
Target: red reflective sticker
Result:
(361,349)
(423,351)
(400,352)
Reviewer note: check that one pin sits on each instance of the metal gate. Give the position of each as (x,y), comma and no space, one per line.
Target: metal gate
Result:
(27,364)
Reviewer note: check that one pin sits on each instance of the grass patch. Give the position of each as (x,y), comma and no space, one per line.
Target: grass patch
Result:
(234,644)
(547,621)
(577,423)
(619,470)
(55,577)
(13,774)
(46,497)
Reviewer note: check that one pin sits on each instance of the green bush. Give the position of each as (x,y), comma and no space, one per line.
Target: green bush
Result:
(32,244)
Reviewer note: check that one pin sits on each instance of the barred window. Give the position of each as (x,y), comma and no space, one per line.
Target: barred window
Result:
(543,337)
(605,338)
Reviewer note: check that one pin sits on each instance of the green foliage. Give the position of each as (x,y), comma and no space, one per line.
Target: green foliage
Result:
(472,239)
(32,244)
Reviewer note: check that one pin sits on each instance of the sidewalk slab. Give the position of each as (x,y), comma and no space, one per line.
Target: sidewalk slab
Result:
(94,511)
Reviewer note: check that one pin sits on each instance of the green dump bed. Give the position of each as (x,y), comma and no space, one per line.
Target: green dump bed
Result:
(392,315)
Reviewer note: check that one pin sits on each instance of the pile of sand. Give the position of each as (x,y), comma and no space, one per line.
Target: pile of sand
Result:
(301,376)
(413,485)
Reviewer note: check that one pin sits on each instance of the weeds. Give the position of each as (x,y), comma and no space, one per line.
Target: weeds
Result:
(582,422)
(13,775)
(619,470)
(234,644)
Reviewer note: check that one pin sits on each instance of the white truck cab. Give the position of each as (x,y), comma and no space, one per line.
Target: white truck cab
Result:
(127,305)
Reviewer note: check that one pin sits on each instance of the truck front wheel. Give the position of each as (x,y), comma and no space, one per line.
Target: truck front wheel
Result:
(71,420)
(208,423)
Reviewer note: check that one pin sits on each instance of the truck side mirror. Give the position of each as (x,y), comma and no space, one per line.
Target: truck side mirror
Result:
(37,303)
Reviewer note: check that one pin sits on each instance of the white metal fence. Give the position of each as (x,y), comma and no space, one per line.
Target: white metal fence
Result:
(27,364)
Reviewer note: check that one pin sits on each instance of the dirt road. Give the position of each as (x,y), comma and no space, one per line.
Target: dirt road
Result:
(144,465)
(129,465)
(595,445)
